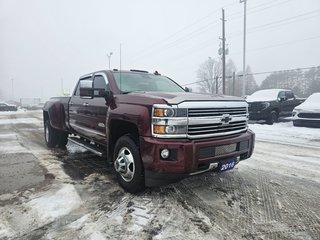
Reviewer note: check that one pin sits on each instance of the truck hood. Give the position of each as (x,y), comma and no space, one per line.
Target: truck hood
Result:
(174,98)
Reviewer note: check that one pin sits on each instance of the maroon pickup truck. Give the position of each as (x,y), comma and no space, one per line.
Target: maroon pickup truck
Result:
(151,129)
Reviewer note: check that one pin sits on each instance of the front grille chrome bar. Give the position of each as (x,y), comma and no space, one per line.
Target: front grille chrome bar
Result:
(215,119)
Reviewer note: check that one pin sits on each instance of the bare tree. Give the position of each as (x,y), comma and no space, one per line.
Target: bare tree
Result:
(230,68)
(207,74)
(251,84)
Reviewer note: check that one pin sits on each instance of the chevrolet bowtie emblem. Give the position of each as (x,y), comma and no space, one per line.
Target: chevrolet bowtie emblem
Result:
(225,119)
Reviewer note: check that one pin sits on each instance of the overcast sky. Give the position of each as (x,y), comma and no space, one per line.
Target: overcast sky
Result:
(46,43)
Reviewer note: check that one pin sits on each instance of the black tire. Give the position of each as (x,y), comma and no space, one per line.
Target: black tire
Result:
(273,117)
(62,139)
(50,135)
(128,165)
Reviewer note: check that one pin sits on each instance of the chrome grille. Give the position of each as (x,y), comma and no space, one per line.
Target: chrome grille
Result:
(309,115)
(212,122)
(206,112)
(216,128)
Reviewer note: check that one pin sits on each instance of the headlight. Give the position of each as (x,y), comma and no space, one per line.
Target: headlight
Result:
(169,112)
(295,112)
(163,112)
(169,121)
(265,105)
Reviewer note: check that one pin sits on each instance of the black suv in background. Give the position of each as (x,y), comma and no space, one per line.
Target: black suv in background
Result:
(7,107)
(270,104)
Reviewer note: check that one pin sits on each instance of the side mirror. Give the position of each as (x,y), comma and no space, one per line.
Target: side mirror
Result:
(281,99)
(94,92)
(188,89)
(86,92)
(100,92)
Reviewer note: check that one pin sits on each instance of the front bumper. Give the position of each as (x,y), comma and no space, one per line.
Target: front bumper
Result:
(260,115)
(190,156)
(313,123)
(306,119)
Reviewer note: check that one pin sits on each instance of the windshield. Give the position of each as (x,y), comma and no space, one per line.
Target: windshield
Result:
(130,82)
(313,98)
(264,95)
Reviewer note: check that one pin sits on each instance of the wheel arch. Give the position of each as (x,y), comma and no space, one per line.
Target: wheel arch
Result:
(119,128)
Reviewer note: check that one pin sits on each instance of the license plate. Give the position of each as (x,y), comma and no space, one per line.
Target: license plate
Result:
(228,165)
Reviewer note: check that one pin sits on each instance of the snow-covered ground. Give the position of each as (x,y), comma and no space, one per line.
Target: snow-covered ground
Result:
(273,195)
(286,133)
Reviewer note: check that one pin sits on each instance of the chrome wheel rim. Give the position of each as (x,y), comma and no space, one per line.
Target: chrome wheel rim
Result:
(124,164)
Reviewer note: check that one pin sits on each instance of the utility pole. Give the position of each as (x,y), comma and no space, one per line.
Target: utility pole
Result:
(216,81)
(244,46)
(109,57)
(120,56)
(233,83)
(223,55)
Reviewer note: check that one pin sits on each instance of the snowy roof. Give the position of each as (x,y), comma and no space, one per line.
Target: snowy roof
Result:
(264,95)
(312,103)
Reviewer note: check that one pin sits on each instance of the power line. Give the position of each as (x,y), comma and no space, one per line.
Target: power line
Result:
(196,32)
(192,34)
(183,29)
(257,73)
(208,43)
(300,17)
(186,37)
(201,30)
(282,44)
(178,41)
(259,10)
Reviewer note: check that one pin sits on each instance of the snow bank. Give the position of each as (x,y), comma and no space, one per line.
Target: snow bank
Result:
(19,120)
(19,111)
(5,231)
(286,133)
(53,205)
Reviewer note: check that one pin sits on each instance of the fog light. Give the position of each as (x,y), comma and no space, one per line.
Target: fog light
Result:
(165,153)
(170,129)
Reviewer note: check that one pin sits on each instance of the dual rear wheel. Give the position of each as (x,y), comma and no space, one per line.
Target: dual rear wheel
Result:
(54,137)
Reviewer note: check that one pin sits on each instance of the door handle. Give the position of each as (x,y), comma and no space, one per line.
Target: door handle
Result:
(71,103)
(86,104)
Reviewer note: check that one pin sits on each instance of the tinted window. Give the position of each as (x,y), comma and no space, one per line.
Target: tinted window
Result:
(100,82)
(289,95)
(282,95)
(77,90)
(129,82)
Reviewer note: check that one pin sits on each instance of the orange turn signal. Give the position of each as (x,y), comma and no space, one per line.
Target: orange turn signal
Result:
(158,129)
(158,112)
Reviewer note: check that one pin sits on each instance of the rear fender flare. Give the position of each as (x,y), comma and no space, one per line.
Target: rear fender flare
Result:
(56,114)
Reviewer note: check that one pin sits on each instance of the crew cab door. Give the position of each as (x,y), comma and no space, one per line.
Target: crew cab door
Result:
(88,114)
(287,102)
(78,111)
(99,108)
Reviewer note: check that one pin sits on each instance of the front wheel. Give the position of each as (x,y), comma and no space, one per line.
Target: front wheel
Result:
(128,165)
(273,117)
